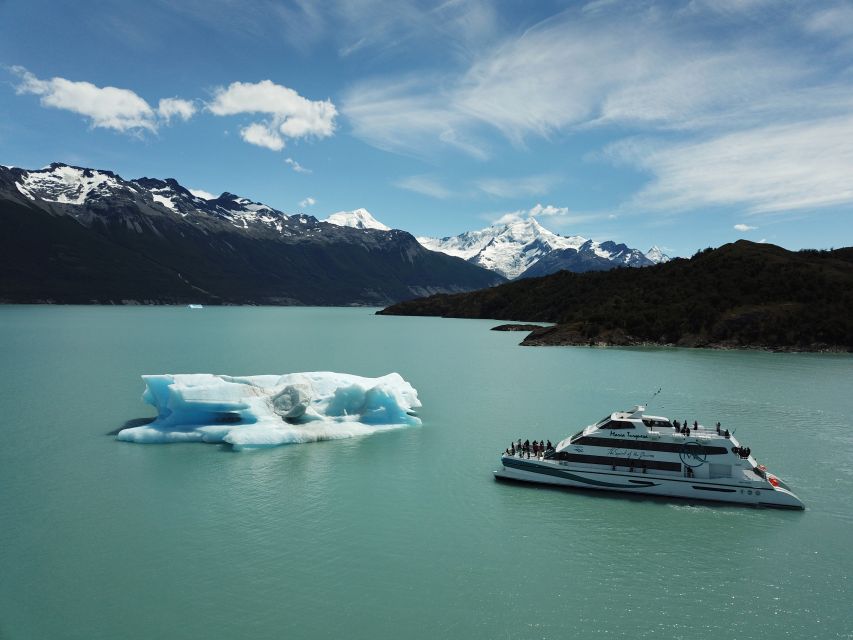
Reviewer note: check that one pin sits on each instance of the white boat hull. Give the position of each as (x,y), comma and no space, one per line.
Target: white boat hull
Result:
(571,475)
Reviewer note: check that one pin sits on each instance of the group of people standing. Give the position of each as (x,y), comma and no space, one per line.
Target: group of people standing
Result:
(684,428)
(538,448)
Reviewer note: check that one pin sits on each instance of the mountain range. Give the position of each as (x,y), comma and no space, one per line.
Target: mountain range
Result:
(75,234)
(79,235)
(524,248)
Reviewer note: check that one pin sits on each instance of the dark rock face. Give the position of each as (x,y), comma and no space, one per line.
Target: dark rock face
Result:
(76,235)
(516,327)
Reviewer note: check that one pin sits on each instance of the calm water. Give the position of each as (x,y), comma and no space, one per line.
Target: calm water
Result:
(402,534)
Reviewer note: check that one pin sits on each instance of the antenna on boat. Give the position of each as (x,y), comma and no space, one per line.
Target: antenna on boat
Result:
(653,396)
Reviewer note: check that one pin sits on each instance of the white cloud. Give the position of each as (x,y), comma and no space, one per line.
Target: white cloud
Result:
(507,218)
(557,217)
(176,107)
(515,187)
(261,135)
(307,202)
(290,115)
(106,107)
(201,193)
(801,165)
(744,227)
(298,168)
(538,211)
(424,185)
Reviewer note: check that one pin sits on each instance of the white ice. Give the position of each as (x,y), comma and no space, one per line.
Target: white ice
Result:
(266,411)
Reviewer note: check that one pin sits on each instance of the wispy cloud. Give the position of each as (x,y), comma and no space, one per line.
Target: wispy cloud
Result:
(726,119)
(298,168)
(424,185)
(836,21)
(573,70)
(290,115)
(517,187)
(801,165)
(744,227)
(307,202)
(408,116)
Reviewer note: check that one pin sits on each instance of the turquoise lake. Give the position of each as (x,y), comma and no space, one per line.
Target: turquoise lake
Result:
(403,534)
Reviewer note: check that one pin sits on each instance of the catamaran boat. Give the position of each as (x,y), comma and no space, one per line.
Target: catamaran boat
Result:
(637,453)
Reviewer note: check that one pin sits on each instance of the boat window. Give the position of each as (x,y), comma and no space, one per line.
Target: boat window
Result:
(637,463)
(657,423)
(617,424)
(649,445)
(576,436)
(604,420)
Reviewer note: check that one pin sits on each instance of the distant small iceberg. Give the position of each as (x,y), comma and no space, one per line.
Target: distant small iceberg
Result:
(267,411)
(195,306)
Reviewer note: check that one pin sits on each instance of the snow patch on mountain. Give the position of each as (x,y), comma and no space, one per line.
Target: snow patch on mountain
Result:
(357,219)
(166,202)
(67,185)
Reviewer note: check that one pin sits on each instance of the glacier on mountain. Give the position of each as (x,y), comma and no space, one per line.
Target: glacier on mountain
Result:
(269,410)
(357,219)
(515,248)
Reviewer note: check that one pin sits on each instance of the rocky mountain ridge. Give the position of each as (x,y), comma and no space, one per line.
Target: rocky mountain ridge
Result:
(75,234)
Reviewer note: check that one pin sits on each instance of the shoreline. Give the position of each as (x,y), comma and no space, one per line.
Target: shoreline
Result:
(539,337)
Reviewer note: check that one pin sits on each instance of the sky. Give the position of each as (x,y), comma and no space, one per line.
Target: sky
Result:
(682,124)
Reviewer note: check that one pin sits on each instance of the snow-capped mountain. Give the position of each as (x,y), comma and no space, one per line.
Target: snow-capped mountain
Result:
(656,255)
(91,190)
(74,234)
(357,219)
(525,248)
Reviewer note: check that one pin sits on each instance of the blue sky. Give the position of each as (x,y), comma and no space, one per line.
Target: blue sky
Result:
(683,124)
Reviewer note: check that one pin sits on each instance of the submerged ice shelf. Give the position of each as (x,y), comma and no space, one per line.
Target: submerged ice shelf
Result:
(265,411)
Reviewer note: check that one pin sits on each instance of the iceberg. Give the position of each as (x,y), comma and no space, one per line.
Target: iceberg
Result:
(266,411)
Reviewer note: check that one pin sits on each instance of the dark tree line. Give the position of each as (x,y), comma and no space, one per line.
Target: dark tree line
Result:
(742,294)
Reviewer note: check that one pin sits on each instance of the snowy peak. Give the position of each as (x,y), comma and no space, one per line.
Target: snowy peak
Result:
(82,191)
(512,249)
(656,255)
(516,246)
(357,219)
(64,184)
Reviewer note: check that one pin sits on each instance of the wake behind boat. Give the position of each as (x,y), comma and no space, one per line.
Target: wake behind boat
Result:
(636,453)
